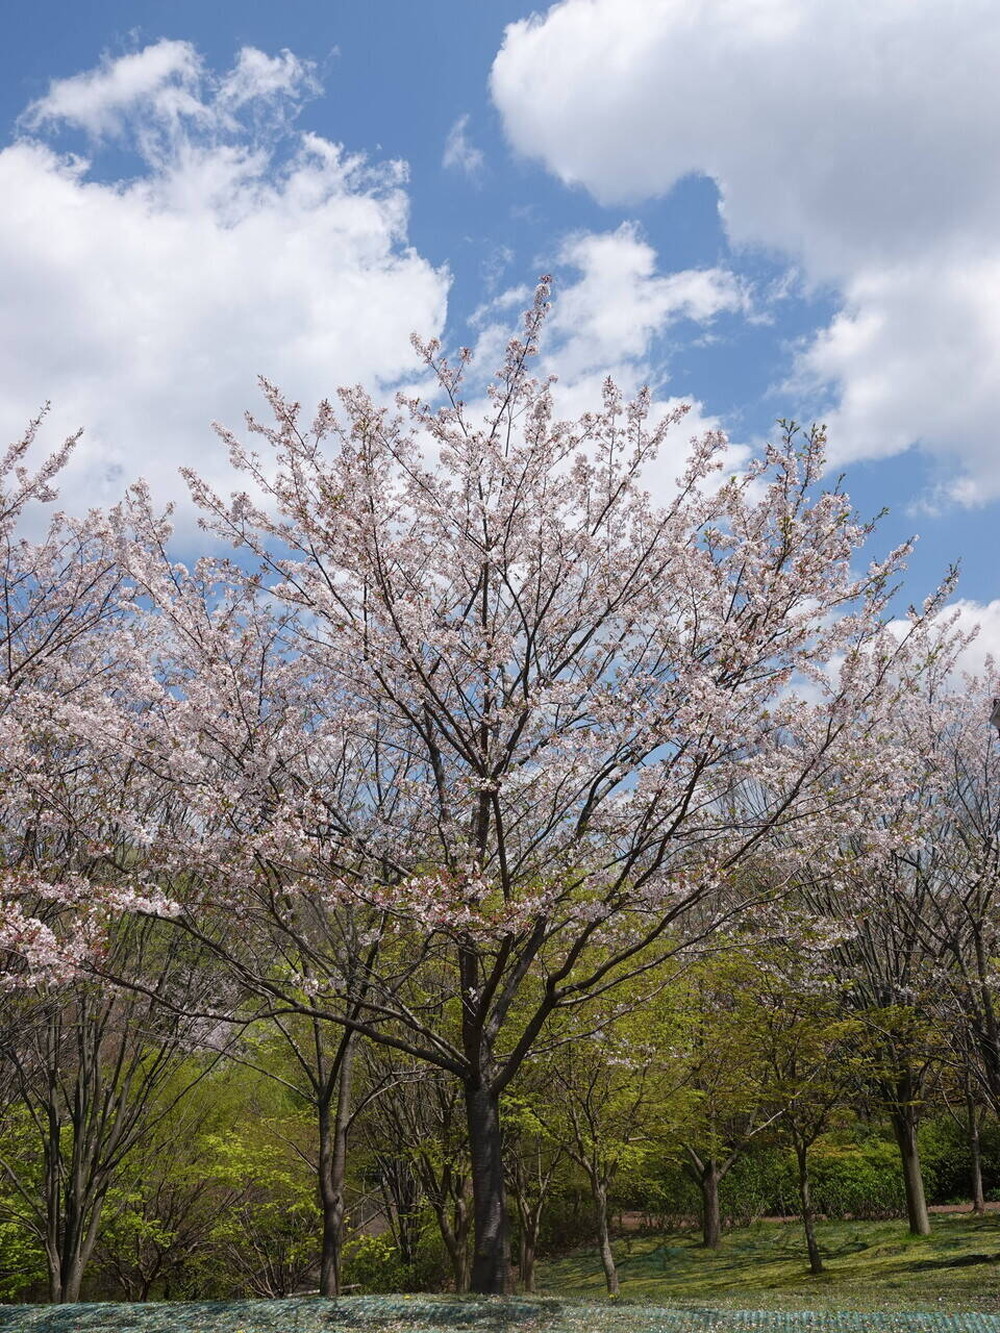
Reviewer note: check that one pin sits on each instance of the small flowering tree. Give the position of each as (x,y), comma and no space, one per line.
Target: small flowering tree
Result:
(535,729)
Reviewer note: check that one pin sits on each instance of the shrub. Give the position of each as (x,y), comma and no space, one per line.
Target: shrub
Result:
(373,1265)
(862,1180)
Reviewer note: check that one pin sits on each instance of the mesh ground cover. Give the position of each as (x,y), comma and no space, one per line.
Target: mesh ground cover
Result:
(400,1314)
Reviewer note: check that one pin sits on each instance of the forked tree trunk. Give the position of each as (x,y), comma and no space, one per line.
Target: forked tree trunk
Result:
(808,1216)
(491,1256)
(707,1174)
(531,1222)
(72,1220)
(904,1127)
(68,1258)
(454,1227)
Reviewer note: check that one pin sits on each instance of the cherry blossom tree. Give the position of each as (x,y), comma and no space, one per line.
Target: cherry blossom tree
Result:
(230,734)
(957,868)
(69,670)
(913,896)
(522,732)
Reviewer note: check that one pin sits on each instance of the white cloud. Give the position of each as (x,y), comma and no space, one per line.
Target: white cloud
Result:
(915,356)
(259,76)
(460,154)
(163,77)
(982,621)
(144,307)
(603,322)
(857,139)
(608,317)
(986,644)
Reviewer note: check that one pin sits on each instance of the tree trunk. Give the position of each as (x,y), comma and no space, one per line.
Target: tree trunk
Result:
(400,1198)
(988,1027)
(530,1216)
(604,1236)
(711,1214)
(976,1155)
(66,1275)
(808,1216)
(491,1258)
(72,1279)
(454,1228)
(526,1261)
(70,1238)
(904,1127)
(333,1170)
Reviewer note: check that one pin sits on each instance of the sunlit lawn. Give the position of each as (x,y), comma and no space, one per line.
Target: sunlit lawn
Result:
(870,1266)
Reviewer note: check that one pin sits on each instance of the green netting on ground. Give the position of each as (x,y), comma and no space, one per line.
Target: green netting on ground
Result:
(400,1314)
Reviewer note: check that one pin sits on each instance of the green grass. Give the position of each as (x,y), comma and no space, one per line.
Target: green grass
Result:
(757,1283)
(870,1266)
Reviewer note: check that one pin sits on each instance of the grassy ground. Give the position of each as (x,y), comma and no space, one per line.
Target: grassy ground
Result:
(870,1266)
(756,1283)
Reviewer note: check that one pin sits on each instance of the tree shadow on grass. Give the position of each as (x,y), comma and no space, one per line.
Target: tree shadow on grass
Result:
(959,1261)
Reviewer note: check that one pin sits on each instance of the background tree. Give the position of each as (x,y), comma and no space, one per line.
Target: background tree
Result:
(533,1161)
(609,1103)
(814,1055)
(89,1068)
(416,1112)
(725,1073)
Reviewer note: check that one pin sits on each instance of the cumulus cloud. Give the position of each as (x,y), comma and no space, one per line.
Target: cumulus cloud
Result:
(610,303)
(608,317)
(145,305)
(856,139)
(162,78)
(984,619)
(460,153)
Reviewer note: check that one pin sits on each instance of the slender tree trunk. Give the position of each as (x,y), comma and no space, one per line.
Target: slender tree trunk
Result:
(808,1216)
(491,1257)
(526,1260)
(458,1256)
(454,1228)
(604,1236)
(333,1170)
(707,1175)
(74,1255)
(904,1127)
(531,1222)
(460,1260)
(976,1155)
(988,1026)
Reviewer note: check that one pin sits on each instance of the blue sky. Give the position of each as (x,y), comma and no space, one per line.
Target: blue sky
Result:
(766,207)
